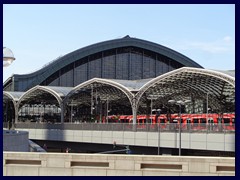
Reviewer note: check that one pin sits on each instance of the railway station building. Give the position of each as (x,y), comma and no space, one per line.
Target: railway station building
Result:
(126,76)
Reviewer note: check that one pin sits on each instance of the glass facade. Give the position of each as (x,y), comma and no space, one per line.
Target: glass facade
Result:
(122,66)
(128,63)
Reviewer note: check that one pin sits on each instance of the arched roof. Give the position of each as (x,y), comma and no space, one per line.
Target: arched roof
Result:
(13,96)
(228,72)
(179,82)
(185,79)
(67,59)
(109,82)
(58,92)
(132,85)
(136,85)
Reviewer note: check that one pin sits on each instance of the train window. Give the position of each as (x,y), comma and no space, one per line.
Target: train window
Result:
(195,120)
(162,120)
(233,120)
(149,120)
(188,120)
(203,120)
(142,121)
(226,120)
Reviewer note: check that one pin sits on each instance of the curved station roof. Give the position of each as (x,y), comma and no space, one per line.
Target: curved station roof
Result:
(183,79)
(39,76)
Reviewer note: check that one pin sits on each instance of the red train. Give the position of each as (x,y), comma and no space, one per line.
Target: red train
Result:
(196,121)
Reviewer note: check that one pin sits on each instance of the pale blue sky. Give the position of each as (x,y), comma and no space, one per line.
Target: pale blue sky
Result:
(37,34)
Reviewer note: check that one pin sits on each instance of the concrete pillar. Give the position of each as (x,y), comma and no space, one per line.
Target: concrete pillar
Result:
(134,116)
(134,112)
(16,112)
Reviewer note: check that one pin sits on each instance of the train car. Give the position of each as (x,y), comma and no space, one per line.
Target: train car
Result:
(228,121)
(216,122)
(212,121)
(123,119)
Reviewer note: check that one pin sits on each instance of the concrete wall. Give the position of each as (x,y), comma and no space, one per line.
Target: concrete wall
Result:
(15,140)
(201,141)
(64,164)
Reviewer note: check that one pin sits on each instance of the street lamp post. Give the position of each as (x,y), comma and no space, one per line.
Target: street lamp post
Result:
(151,110)
(207,107)
(107,110)
(180,128)
(152,97)
(72,104)
(159,126)
(92,103)
(179,103)
(71,113)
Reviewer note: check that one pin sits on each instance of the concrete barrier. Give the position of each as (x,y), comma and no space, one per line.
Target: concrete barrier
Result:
(200,141)
(70,164)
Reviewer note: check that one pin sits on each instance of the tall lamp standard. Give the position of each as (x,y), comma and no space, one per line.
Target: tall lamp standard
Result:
(107,110)
(159,128)
(152,97)
(207,106)
(8,58)
(179,103)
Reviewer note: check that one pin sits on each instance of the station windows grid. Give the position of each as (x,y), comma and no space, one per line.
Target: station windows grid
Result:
(127,63)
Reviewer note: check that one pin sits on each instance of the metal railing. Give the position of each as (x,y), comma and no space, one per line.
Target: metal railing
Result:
(171,127)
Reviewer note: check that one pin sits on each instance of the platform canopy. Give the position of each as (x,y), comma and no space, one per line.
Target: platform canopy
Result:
(193,84)
(13,95)
(217,88)
(204,88)
(44,94)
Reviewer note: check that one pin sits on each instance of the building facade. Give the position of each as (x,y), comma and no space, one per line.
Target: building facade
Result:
(127,59)
(121,76)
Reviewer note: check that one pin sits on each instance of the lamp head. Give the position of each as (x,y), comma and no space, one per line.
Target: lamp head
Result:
(8,57)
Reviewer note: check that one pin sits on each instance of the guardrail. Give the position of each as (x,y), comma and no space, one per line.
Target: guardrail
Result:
(190,128)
